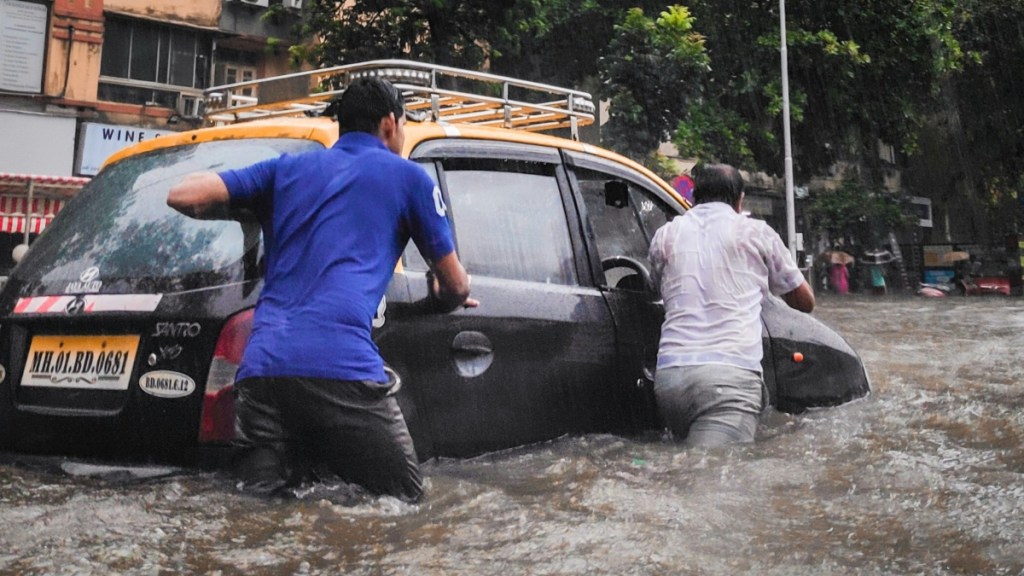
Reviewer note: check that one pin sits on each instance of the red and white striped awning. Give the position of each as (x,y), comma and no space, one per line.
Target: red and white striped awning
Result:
(28,202)
(14,224)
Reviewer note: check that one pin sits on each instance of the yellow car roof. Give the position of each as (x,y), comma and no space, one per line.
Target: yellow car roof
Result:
(440,101)
(325,131)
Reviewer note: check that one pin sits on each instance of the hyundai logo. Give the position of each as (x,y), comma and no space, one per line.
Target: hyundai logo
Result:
(90,274)
(75,306)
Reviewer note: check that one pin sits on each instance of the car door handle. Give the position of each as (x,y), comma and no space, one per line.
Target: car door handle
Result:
(646,379)
(473,349)
(472,352)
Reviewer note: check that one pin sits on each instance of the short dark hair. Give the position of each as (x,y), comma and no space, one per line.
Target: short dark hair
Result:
(716,183)
(365,102)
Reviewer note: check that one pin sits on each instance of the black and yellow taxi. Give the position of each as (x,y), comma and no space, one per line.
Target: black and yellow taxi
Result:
(122,327)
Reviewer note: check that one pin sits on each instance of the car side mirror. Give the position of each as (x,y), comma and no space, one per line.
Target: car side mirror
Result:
(616,193)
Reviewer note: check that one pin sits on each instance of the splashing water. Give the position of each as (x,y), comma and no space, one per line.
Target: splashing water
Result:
(922,477)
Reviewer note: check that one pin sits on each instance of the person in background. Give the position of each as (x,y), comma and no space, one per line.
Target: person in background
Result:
(713,267)
(877,279)
(975,267)
(840,278)
(854,276)
(965,275)
(312,388)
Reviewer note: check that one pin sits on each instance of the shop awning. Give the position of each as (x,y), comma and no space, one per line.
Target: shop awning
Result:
(28,202)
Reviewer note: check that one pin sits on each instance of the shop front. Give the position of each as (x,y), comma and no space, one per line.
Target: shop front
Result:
(28,203)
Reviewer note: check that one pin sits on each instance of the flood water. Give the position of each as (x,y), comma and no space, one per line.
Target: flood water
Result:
(926,476)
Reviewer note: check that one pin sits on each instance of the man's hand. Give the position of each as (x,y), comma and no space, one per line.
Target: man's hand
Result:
(449,284)
(201,195)
(435,291)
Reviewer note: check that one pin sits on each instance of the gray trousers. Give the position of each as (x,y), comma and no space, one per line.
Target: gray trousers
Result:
(711,404)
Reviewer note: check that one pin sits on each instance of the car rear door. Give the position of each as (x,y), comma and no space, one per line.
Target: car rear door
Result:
(534,360)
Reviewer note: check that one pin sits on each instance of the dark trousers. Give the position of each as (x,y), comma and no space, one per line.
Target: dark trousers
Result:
(286,426)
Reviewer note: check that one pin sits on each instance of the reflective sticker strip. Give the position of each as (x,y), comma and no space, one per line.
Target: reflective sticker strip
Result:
(42,304)
(93,303)
(451,131)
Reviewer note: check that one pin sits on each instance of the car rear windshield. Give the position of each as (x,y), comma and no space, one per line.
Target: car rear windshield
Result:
(120,223)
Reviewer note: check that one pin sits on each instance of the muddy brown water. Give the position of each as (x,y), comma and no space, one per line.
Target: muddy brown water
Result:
(926,476)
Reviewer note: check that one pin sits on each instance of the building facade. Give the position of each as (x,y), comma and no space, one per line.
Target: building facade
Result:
(80,79)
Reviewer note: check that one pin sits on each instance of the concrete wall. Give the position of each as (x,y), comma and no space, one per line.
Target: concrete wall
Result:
(205,13)
(77,29)
(34,143)
(38,131)
(73,53)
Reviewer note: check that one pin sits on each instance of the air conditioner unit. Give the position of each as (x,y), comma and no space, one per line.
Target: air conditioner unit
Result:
(293,4)
(922,208)
(260,3)
(190,106)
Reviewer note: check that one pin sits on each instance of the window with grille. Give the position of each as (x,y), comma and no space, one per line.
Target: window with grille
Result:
(233,74)
(151,63)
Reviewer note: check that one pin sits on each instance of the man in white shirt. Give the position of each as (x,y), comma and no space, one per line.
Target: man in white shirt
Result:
(713,267)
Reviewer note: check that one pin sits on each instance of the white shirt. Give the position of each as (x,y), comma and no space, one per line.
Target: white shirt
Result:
(714,267)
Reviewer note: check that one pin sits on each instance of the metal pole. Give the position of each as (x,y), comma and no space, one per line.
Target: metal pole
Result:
(28,210)
(790,206)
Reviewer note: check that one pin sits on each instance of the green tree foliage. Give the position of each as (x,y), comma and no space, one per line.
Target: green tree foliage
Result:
(450,32)
(652,70)
(552,41)
(860,72)
(855,213)
(708,74)
(984,113)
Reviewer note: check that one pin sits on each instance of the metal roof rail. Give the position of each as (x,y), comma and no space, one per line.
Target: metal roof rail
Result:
(440,93)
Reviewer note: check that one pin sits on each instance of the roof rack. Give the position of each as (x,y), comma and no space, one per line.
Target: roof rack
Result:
(440,93)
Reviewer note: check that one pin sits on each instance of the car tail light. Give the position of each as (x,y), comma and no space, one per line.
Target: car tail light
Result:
(217,423)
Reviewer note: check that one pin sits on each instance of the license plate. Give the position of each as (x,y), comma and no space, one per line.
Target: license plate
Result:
(91,362)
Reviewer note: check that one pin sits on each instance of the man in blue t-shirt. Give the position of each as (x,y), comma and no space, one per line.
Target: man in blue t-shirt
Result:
(335,222)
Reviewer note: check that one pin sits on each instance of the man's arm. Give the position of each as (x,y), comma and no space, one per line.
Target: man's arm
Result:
(656,256)
(801,298)
(451,284)
(201,195)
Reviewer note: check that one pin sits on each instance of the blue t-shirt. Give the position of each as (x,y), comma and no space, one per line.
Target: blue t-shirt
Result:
(335,223)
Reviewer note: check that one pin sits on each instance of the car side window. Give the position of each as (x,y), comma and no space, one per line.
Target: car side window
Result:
(653,212)
(623,217)
(412,259)
(509,220)
(617,228)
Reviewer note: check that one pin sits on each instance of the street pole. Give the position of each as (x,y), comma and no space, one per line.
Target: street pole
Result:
(790,205)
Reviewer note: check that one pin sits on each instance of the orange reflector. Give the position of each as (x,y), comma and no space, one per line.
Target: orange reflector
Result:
(798,357)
